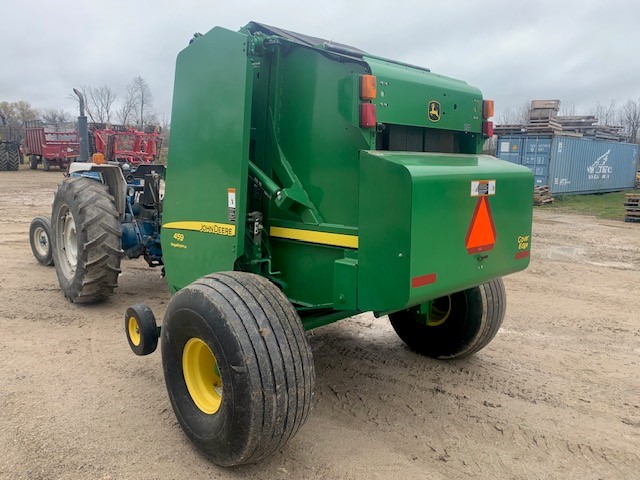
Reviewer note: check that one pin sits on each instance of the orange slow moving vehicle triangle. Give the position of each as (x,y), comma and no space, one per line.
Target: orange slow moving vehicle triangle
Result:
(482,232)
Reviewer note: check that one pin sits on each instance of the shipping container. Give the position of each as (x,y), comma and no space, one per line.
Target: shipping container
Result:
(571,165)
(510,148)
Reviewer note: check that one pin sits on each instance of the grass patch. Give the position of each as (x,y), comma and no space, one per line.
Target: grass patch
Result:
(605,205)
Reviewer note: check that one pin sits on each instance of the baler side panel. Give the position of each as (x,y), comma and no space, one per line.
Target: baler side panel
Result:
(319,142)
(313,105)
(208,161)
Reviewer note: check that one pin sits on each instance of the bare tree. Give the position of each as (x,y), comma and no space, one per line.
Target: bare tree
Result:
(568,110)
(125,113)
(56,116)
(102,99)
(144,100)
(606,115)
(508,117)
(98,102)
(630,118)
(16,113)
(164,122)
(515,116)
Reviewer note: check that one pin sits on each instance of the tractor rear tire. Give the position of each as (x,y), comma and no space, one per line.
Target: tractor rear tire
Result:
(458,325)
(46,165)
(85,240)
(40,240)
(4,158)
(237,365)
(13,152)
(33,162)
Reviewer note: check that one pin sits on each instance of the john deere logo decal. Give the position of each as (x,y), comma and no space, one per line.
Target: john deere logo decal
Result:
(434,111)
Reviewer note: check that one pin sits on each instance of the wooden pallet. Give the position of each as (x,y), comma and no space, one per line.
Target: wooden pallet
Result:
(632,207)
(542,195)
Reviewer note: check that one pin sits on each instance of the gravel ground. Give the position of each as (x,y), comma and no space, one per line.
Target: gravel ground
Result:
(555,395)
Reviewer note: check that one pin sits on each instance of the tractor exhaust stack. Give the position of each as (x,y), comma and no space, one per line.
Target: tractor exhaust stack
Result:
(83,130)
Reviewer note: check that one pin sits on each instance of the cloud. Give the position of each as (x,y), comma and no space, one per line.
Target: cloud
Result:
(580,51)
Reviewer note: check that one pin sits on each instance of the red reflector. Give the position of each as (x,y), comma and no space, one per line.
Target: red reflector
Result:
(521,255)
(487,128)
(423,280)
(367,115)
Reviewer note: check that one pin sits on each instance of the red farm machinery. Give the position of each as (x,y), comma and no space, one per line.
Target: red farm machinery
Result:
(51,145)
(59,145)
(122,144)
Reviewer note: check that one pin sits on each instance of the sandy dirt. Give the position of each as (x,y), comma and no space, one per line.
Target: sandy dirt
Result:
(555,395)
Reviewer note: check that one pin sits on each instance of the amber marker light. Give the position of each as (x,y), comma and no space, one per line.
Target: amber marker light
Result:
(487,109)
(367,87)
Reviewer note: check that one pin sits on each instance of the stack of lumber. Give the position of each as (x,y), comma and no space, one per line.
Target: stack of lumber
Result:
(548,125)
(542,195)
(543,119)
(632,207)
(587,126)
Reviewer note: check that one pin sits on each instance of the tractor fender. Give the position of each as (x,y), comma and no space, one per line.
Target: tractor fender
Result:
(111,176)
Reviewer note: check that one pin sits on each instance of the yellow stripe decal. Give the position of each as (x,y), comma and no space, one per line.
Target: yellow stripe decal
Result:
(204,227)
(313,236)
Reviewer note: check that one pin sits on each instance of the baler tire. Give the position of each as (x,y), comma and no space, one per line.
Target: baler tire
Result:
(141,329)
(473,319)
(262,365)
(40,240)
(4,158)
(33,162)
(46,164)
(85,240)
(14,158)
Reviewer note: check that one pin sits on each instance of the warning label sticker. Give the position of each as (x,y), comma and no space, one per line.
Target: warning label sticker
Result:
(231,194)
(482,188)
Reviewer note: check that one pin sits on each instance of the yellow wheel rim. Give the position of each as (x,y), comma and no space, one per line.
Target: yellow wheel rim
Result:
(134,331)
(202,376)
(440,311)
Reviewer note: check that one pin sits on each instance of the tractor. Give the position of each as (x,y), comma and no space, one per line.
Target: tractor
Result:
(10,156)
(102,211)
(308,181)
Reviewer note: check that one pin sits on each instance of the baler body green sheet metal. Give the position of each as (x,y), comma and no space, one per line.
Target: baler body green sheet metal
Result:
(345,219)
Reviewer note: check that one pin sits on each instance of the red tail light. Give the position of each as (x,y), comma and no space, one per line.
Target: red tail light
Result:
(487,128)
(367,115)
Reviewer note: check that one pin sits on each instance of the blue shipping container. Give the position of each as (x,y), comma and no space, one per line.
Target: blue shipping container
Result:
(510,148)
(536,156)
(573,165)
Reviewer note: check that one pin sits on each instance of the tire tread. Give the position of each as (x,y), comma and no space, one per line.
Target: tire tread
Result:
(98,225)
(276,352)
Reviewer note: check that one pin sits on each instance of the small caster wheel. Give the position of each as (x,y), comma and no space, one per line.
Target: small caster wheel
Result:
(141,329)
(40,240)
